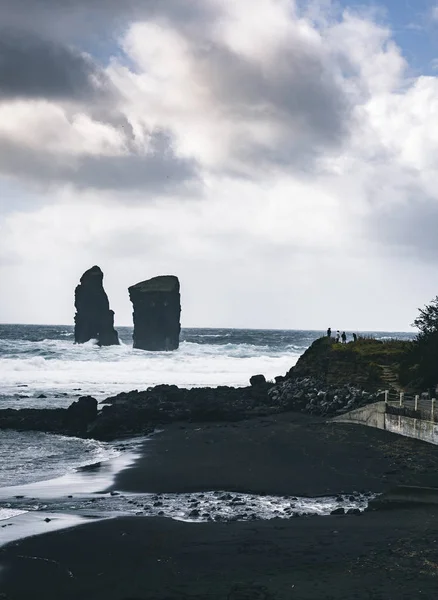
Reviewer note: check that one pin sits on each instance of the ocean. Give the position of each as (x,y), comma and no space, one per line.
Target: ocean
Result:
(41,367)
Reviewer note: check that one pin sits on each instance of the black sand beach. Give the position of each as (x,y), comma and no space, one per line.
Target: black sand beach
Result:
(290,454)
(383,555)
(380,556)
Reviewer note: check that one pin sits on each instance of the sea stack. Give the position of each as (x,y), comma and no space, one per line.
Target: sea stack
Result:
(94,319)
(157,310)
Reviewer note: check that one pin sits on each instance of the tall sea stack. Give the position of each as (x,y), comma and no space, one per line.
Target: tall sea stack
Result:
(94,319)
(157,309)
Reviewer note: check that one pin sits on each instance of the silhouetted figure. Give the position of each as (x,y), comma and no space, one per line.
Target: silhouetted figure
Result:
(344,337)
(329,332)
(338,335)
(354,337)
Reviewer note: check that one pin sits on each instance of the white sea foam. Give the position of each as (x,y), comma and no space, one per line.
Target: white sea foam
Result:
(8,513)
(55,367)
(196,507)
(36,456)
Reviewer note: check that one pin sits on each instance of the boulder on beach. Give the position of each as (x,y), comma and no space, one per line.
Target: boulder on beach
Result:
(257,380)
(94,320)
(157,309)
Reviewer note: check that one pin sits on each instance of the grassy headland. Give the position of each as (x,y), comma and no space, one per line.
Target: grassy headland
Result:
(367,362)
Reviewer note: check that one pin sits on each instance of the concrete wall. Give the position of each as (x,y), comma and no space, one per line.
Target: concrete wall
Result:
(415,428)
(374,415)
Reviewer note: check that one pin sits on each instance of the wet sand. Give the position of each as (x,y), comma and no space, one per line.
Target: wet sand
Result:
(290,454)
(382,556)
(377,555)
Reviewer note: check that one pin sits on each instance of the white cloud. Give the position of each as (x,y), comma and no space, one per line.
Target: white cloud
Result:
(233,100)
(45,126)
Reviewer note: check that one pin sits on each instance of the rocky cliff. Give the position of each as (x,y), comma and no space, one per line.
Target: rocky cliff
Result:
(365,363)
(157,309)
(94,319)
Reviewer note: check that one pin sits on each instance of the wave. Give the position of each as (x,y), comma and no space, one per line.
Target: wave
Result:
(37,361)
(27,457)
(60,369)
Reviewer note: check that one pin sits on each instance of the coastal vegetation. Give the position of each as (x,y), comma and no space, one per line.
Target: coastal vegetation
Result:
(419,368)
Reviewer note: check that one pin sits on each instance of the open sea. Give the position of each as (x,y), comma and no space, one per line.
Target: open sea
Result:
(41,367)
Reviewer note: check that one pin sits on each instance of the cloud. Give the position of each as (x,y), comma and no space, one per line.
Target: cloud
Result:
(238,92)
(225,106)
(31,67)
(231,107)
(95,20)
(306,134)
(92,155)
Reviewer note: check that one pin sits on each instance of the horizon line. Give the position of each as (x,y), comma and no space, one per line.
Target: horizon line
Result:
(217,327)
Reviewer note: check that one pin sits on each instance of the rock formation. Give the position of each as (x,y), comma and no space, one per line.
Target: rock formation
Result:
(94,319)
(157,310)
(74,420)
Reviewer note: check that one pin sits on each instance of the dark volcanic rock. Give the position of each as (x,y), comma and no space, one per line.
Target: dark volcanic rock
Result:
(353,511)
(317,397)
(157,309)
(139,412)
(257,380)
(338,511)
(74,420)
(94,319)
(82,412)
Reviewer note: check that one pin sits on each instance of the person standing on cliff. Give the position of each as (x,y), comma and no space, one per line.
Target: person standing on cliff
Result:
(354,337)
(329,332)
(344,337)
(338,335)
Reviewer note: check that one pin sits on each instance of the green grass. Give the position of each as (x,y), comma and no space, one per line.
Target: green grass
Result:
(370,347)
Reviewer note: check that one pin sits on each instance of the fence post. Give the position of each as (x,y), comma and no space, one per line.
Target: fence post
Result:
(432,412)
(416,402)
(401,398)
(386,396)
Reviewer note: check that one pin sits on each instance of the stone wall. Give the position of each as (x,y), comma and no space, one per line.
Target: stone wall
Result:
(375,415)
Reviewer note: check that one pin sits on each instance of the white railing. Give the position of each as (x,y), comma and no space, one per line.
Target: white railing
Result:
(425,407)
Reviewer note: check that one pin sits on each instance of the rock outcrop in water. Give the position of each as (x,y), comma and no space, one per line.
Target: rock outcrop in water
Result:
(157,309)
(74,420)
(94,319)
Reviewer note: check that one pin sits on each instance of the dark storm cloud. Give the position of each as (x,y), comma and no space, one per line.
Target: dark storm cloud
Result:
(299,96)
(301,87)
(39,55)
(40,58)
(31,67)
(158,172)
(79,19)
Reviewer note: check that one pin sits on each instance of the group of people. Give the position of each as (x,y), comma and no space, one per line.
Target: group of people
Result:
(340,336)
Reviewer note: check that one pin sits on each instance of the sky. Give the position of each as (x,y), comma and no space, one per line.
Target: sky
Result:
(279,156)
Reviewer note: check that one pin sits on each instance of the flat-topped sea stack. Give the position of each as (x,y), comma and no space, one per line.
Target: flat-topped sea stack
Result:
(157,310)
(94,320)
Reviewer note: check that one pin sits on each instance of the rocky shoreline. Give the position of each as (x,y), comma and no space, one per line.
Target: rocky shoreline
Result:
(308,388)
(139,412)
